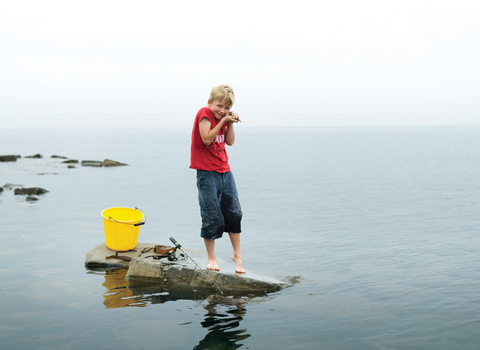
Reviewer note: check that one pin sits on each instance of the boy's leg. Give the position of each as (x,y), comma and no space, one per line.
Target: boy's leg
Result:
(212,258)
(212,217)
(230,205)
(232,213)
(237,252)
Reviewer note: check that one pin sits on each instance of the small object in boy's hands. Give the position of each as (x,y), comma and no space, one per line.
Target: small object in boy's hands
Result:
(238,119)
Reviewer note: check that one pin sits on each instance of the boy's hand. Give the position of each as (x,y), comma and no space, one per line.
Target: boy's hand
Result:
(233,118)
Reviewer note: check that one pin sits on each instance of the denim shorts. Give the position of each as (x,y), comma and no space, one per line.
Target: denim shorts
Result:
(219,205)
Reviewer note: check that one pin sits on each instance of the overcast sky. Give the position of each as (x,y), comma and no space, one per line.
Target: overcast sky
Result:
(307,63)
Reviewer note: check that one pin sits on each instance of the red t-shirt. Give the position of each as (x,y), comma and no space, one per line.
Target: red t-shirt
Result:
(211,158)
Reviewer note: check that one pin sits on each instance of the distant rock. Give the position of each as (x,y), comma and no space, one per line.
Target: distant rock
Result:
(94,163)
(109,162)
(38,156)
(31,199)
(30,191)
(70,161)
(71,166)
(60,157)
(9,158)
(9,186)
(1,190)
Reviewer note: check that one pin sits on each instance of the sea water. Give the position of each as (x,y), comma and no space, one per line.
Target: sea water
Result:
(375,228)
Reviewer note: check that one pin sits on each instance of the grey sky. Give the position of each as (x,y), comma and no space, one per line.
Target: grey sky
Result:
(307,63)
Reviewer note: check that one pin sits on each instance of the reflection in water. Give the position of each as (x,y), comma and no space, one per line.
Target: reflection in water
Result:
(119,295)
(224,332)
(223,317)
(123,292)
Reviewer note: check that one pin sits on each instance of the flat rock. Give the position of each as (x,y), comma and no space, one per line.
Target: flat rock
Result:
(181,272)
(94,163)
(30,191)
(71,161)
(60,157)
(97,257)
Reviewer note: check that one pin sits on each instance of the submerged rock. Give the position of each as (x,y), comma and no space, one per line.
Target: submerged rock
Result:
(60,157)
(38,156)
(94,163)
(31,198)
(9,158)
(30,191)
(70,161)
(1,190)
(9,186)
(71,167)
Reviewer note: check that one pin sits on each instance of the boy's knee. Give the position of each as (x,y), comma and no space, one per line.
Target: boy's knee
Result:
(212,226)
(233,223)
(212,232)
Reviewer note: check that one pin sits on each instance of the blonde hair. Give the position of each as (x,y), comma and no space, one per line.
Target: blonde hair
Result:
(223,93)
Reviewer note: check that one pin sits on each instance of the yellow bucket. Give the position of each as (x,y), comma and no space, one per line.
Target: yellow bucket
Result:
(122,226)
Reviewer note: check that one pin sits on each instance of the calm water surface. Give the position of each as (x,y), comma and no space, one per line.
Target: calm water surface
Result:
(377,227)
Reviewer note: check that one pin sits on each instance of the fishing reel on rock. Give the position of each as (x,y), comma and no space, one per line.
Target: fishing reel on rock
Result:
(172,257)
(166,252)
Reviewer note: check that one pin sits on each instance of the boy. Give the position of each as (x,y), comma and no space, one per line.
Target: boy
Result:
(217,194)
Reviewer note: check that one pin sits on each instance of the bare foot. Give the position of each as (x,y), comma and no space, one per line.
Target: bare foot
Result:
(238,264)
(212,265)
(211,257)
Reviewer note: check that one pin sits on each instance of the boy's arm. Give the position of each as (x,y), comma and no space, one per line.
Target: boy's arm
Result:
(208,135)
(230,132)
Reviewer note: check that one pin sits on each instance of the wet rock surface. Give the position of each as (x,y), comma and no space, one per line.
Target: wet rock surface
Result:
(185,273)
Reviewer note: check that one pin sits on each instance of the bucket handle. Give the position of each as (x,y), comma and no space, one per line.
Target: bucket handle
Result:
(144,221)
(137,224)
